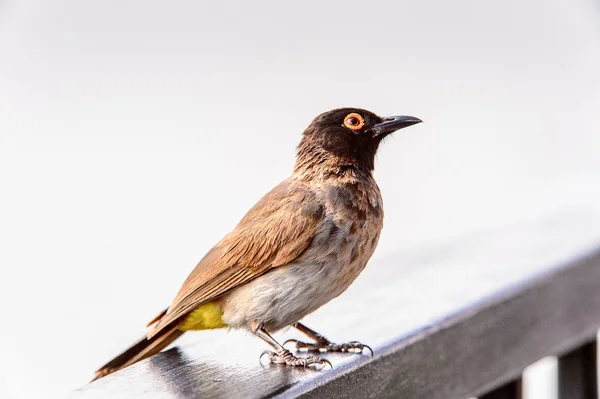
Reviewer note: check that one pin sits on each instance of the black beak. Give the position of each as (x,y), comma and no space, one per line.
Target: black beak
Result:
(392,123)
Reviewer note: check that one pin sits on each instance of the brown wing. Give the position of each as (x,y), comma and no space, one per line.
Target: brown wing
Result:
(273,233)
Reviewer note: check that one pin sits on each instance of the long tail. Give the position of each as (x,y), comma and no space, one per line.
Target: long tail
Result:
(141,350)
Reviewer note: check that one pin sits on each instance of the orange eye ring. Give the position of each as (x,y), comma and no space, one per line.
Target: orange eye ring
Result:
(354,121)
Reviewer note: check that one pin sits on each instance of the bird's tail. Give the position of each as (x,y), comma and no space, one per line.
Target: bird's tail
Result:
(141,350)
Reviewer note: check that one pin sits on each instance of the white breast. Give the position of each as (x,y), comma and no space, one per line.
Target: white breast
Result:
(283,296)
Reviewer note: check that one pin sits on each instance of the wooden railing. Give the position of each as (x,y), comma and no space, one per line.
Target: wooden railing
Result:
(458,321)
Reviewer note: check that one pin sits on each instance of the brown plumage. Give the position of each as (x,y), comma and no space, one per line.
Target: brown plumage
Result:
(300,246)
(143,349)
(274,232)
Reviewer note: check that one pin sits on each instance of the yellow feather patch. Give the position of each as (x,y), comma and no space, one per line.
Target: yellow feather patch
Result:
(204,317)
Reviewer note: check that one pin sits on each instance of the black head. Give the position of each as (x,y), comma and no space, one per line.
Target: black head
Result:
(352,134)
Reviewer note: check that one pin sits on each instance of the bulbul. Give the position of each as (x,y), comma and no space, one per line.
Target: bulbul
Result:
(299,247)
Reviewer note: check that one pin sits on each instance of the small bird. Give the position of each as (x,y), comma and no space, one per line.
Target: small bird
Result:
(299,247)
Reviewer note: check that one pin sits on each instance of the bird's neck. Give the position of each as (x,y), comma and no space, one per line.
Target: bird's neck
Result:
(315,164)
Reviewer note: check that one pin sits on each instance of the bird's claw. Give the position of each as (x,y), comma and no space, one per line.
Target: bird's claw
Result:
(326,346)
(286,357)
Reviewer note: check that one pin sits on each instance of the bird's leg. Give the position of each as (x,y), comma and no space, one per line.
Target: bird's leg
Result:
(282,355)
(322,344)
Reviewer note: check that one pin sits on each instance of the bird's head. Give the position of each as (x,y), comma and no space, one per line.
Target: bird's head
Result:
(347,136)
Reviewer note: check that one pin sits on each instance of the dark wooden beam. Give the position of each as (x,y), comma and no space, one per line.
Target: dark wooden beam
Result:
(484,347)
(578,373)
(512,390)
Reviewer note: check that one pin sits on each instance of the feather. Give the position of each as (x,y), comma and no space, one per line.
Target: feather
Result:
(273,233)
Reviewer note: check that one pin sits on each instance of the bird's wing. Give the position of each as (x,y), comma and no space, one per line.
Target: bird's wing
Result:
(273,233)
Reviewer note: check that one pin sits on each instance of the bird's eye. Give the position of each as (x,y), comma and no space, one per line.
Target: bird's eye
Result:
(354,121)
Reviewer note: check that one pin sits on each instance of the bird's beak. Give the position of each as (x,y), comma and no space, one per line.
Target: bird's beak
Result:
(392,123)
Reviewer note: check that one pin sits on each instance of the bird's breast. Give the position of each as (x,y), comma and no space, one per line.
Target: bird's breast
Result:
(345,239)
(349,231)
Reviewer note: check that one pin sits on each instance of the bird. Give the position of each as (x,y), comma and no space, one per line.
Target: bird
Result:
(300,246)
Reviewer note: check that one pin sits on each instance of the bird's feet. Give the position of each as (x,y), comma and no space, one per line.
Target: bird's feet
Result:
(324,345)
(285,357)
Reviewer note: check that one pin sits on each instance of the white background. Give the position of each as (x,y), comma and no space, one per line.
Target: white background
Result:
(135,134)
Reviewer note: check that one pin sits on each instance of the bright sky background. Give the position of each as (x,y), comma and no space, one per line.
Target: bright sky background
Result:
(135,134)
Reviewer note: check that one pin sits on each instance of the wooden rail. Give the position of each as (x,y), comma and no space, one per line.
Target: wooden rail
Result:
(457,321)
